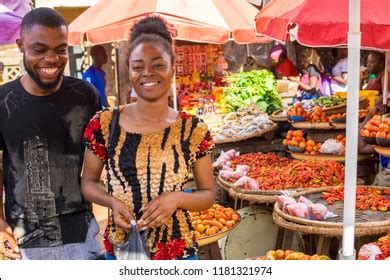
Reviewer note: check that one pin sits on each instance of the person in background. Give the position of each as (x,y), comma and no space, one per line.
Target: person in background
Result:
(340,71)
(313,78)
(373,77)
(1,72)
(152,150)
(283,67)
(42,118)
(95,74)
(383,176)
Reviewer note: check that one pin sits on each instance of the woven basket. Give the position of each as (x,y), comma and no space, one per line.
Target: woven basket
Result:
(278,117)
(302,156)
(382,150)
(266,196)
(367,222)
(340,126)
(340,109)
(310,125)
(248,136)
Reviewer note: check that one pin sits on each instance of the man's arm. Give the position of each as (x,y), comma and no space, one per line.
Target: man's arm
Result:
(8,244)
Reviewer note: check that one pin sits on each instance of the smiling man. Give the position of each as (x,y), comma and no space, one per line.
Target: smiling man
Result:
(42,117)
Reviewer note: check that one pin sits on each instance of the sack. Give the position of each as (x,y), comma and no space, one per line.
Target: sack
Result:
(133,247)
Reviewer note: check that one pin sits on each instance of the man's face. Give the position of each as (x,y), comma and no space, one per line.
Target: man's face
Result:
(373,64)
(102,56)
(45,54)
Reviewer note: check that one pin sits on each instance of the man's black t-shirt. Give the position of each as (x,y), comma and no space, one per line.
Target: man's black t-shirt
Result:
(41,139)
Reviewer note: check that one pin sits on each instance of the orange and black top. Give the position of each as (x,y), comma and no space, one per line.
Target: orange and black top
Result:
(141,167)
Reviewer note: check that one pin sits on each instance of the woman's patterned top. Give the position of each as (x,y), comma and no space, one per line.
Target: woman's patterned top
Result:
(141,167)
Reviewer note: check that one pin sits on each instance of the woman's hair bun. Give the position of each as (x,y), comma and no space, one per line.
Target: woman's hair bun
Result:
(151,25)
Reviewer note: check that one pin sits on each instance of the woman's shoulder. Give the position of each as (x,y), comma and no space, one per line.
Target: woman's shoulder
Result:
(196,121)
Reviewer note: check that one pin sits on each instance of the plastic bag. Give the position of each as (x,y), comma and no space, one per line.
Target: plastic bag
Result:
(284,201)
(281,199)
(318,211)
(224,158)
(333,147)
(247,183)
(227,168)
(299,210)
(304,200)
(133,247)
(242,168)
(370,251)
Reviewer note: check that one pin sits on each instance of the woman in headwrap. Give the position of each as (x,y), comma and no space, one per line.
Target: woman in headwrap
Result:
(313,77)
(283,67)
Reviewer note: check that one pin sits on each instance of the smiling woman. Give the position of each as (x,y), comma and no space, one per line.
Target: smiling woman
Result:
(150,154)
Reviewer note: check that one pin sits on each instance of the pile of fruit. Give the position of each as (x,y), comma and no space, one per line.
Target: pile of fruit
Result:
(297,110)
(341,138)
(362,115)
(376,128)
(366,198)
(277,173)
(317,115)
(296,139)
(212,221)
(290,255)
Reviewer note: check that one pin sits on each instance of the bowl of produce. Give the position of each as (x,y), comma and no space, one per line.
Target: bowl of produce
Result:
(383,142)
(295,149)
(369,140)
(296,118)
(212,224)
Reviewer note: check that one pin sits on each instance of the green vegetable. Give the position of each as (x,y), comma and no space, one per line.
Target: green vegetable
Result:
(330,101)
(252,87)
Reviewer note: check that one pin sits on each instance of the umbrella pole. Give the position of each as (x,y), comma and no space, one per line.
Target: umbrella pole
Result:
(354,39)
(386,77)
(174,91)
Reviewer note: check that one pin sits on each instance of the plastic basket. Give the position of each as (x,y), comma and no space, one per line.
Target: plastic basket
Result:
(371,95)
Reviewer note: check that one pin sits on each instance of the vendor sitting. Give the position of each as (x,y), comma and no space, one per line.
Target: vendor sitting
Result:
(373,77)
(383,177)
(282,66)
(313,79)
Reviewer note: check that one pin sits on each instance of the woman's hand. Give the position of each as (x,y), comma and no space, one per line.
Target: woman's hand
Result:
(158,211)
(8,244)
(121,214)
(380,109)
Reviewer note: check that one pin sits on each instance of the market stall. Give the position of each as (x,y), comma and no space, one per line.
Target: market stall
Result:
(278,21)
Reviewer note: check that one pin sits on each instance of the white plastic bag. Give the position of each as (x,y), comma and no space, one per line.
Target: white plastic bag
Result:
(224,158)
(133,247)
(247,183)
(332,147)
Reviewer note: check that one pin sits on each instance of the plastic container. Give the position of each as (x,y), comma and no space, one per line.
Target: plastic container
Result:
(369,140)
(295,149)
(371,95)
(383,142)
(296,118)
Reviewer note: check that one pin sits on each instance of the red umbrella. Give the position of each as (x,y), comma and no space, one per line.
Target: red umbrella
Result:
(209,21)
(325,23)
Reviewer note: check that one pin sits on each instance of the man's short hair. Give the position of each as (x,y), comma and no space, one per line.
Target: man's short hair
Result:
(42,16)
(96,49)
